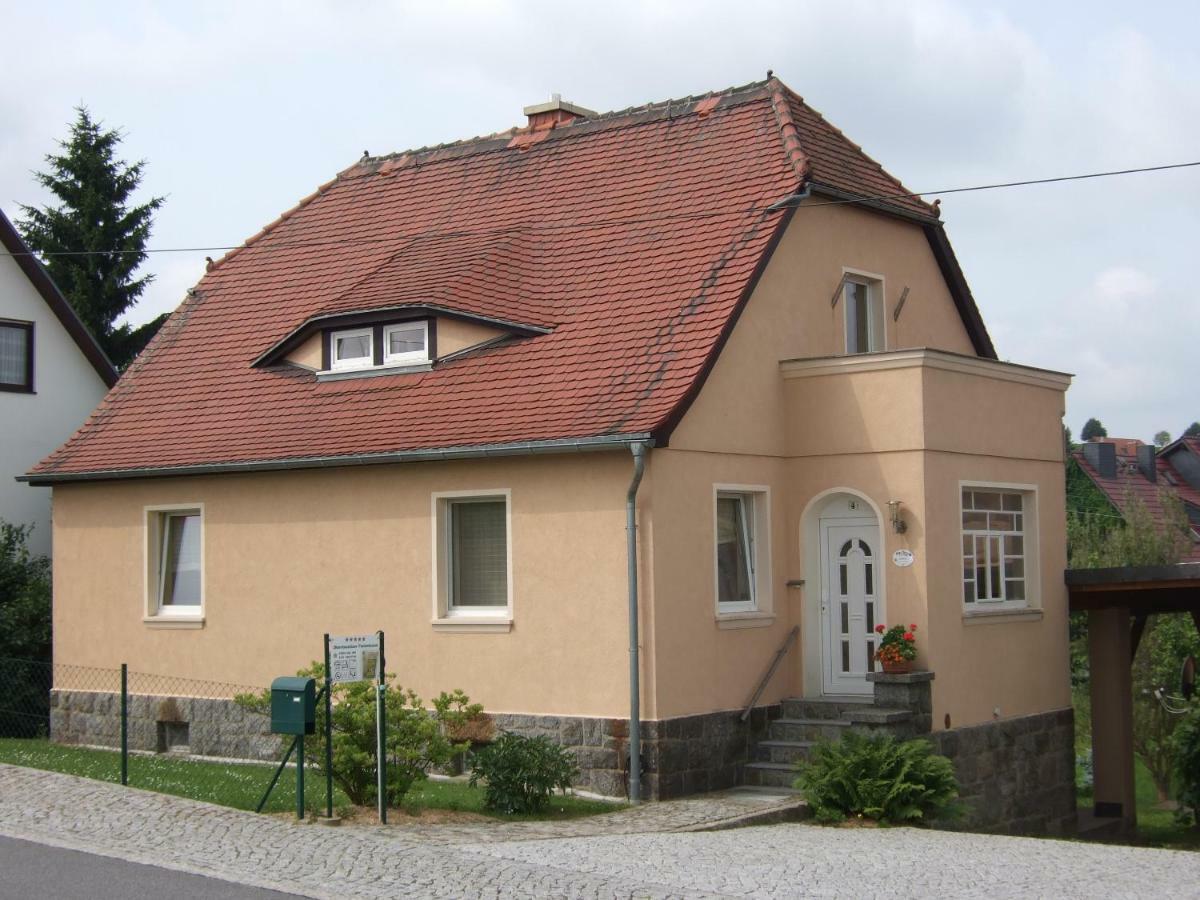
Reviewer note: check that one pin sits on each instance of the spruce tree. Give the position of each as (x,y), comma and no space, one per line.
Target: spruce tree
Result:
(94,188)
(1192,430)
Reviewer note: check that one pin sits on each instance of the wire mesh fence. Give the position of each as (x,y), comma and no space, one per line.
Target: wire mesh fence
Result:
(201,739)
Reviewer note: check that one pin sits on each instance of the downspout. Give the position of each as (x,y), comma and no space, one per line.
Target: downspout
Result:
(635,681)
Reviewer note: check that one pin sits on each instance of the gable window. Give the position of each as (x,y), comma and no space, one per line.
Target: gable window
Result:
(742,561)
(353,349)
(16,356)
(864,314)
(405,343)
(472,558)
(996,547)
(176,554)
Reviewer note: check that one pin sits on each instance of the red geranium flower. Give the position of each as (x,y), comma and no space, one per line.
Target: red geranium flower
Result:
(879,628)
(912,627)
(908,636)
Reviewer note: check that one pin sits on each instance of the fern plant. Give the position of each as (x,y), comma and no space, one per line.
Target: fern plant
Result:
(878,777)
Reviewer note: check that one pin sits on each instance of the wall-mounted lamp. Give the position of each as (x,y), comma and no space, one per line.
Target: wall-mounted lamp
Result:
(898,524)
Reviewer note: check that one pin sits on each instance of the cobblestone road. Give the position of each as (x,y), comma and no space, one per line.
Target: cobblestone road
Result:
(769,861)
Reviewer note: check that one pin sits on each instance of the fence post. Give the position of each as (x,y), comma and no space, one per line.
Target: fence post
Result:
(124,723)
(328,733)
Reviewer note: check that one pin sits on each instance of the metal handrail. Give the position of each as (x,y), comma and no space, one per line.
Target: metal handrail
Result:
(762,684)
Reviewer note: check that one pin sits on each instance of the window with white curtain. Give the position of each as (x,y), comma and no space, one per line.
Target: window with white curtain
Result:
(864,315)
(735,551)
(16,356)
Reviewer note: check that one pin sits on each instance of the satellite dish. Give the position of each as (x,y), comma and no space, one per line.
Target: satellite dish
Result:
(1187,678)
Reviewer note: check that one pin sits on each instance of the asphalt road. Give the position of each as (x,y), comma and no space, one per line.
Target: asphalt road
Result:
(29,870)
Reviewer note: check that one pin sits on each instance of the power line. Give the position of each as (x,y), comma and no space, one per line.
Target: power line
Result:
(602,223)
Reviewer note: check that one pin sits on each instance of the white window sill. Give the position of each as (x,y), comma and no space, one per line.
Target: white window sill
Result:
(368,371)
(749,619)
(173,621)
(474,624)
(996,616)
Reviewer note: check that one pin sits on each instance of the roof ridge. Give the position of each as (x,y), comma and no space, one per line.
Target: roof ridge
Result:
(858,147)
(653,106)
(793,147)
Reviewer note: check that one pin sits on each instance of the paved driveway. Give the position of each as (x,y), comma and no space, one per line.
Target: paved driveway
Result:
(770,861)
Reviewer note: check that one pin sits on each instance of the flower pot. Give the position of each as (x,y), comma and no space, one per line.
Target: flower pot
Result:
(903,667)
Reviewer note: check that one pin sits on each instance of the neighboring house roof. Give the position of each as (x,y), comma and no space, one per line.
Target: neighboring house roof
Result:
(40,279)
(634,238)
(1130,482)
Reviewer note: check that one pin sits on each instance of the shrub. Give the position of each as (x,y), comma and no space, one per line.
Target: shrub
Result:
(878,777)
(522,772)
(416,740)
(1186,740)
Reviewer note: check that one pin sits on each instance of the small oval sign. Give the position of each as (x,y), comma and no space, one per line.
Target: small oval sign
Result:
(903,558)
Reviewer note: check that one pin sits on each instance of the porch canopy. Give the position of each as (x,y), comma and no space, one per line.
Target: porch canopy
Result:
(1117,602)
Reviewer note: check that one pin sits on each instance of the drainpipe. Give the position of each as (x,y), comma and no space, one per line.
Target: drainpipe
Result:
(635,699)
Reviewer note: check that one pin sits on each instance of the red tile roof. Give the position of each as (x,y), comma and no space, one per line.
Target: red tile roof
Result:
(634,236)
(1129,482)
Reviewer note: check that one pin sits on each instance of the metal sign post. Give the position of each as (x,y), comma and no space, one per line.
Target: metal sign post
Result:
(328,734)
(380,730)
(358,658)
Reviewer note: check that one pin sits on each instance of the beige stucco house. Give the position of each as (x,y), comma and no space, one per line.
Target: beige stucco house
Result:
(410,405)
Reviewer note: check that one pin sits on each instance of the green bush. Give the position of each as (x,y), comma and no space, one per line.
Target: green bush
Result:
(522,772)
(24,596)
(416,738)
(878,777)
(1186,740)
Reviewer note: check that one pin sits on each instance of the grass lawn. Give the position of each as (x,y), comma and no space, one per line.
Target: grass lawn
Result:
(241,785)
(1156,827)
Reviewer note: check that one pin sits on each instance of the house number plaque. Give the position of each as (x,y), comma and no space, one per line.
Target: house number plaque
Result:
(903,558)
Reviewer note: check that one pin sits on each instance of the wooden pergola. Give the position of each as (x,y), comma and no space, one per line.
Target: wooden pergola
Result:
(1118,602)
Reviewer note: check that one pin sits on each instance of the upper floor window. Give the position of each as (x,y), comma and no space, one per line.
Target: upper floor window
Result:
(995,546)
(864,314)
(352,349)
(175,551)
(406,343)
(16,356)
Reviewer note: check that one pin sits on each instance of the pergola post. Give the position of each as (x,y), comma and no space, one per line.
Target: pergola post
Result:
(1109,650)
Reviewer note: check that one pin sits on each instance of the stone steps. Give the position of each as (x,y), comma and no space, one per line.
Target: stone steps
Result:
(781,751)
(769,774)
(788,729)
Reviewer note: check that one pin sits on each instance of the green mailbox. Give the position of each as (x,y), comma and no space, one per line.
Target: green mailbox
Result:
(294,705)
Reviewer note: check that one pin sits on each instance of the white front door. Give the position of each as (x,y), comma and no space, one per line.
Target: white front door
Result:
(851,603)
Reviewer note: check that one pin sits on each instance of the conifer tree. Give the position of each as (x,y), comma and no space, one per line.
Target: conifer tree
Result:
(1092,429)
(94,215)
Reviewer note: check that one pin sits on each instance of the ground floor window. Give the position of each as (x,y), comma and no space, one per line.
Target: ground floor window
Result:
(994,546)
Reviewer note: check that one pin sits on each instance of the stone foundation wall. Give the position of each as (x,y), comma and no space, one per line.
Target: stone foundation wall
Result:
(1016,776)
(680,756)
(156,724)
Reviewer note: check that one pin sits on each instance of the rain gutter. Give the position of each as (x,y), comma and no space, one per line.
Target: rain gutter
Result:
(635,681)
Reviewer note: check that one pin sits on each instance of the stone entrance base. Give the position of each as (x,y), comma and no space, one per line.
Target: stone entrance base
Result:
(681,756)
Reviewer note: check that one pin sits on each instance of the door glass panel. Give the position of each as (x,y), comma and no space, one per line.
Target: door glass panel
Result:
(842,576)
(870,657)
(845,656)
(870,617)
(870,586)
(845,618)
(846,547)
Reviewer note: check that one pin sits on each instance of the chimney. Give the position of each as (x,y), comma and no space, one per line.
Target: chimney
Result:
(1147,462)
(557,112)
(1102,456)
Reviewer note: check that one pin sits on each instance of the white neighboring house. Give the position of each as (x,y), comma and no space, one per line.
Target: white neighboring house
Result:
(52,375)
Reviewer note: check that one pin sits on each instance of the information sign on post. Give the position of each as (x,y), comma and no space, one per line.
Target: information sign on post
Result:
(357,657)
(354,657)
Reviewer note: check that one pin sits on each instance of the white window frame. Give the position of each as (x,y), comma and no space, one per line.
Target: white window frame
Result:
(467,618)
(877,320)
(757,505)
(352,365)
(411,357)
(1030,542)
(154,523)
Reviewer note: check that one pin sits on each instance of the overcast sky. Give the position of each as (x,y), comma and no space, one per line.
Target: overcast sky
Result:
(241,108)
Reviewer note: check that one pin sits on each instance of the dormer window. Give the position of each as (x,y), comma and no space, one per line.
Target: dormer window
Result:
(352,349)
(377,348)
(406,343)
